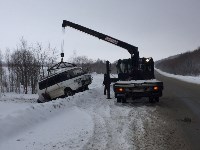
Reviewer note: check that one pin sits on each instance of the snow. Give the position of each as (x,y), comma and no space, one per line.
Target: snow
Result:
(12,102)
(86,120)
(75,130)
(190,79)
(57,122)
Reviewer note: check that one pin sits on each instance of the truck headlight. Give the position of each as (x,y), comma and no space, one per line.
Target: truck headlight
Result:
(147,60)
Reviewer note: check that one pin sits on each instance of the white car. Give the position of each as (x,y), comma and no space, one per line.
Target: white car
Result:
(62,83)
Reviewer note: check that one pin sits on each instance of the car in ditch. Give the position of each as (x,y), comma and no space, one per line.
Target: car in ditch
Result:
(63,82)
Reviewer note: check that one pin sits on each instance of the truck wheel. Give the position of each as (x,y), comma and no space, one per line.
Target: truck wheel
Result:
(151,100)
(157,99)
(118,100)
(123,100)
(68,92)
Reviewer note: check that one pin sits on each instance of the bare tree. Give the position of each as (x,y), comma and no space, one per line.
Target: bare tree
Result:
(1,73)
(11,77)
(51,55)
(25,68)
(83,62)
(41,56)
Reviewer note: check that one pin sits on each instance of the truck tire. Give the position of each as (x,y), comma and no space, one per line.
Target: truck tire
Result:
(157,99)
(151,100)
(118,100)
(123,100)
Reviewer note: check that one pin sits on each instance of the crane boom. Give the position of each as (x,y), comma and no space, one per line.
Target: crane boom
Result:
(133,50)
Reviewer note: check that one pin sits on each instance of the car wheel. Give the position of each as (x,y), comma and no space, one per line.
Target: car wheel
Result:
(68,92)
(39,101)
(86,88)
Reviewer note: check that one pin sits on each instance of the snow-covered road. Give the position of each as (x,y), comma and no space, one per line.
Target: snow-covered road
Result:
(86,120)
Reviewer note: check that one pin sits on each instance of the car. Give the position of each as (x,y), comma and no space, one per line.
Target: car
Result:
(63,82)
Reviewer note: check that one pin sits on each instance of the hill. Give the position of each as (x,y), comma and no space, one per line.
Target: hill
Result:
(187,63)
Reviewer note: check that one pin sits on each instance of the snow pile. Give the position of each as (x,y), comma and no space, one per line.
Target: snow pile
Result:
(190,79)
(71,128)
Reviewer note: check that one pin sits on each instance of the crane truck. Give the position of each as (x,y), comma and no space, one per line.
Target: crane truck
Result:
(135,75)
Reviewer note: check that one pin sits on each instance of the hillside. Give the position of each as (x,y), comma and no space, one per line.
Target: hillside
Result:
(187,63)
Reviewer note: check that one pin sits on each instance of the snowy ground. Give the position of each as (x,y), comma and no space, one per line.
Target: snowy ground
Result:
(190,79)
(85,121)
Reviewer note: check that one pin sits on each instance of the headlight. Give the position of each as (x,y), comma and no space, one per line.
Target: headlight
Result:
(147,60)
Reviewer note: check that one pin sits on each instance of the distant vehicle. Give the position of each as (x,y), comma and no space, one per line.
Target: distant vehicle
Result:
(63,80)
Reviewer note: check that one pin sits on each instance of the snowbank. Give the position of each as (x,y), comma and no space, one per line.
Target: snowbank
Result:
(19,113)
(190,79)
(70,129)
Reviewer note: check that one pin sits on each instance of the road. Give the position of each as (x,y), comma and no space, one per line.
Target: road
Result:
(180,105)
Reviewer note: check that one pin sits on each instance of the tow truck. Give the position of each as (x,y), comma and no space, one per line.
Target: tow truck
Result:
(135,75)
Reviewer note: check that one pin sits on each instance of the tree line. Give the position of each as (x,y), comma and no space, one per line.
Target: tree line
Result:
(187,63)
(23,67)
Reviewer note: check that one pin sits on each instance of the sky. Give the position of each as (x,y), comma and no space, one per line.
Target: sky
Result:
(159,28)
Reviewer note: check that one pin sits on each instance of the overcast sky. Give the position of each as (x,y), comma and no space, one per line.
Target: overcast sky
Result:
(159,28)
